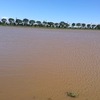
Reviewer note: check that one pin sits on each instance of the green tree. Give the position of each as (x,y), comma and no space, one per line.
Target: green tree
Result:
(19,21)
(78,24)
(4,20)
(98,26)
(45,23)
(31,22)
(25,21)
(50,24)
(93,26)
(73,24)
(62,24)
(56,24)
(88,25)
(0,23)
(83,25)
(66,25)
(38,23)
(11,21)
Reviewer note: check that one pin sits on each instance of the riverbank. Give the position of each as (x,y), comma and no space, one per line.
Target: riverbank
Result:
(49,27)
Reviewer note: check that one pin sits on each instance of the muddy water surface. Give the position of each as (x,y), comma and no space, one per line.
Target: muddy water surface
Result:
(43,64)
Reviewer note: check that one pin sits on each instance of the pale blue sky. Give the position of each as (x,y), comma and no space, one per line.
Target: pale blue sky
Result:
(87,11)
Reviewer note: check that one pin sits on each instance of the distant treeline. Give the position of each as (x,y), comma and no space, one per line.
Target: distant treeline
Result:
(62,24)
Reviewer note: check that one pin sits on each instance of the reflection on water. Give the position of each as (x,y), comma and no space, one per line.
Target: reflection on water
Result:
(44,64)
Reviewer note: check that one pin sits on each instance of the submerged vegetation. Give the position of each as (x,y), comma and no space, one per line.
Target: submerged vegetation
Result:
(33,23)
(72,94)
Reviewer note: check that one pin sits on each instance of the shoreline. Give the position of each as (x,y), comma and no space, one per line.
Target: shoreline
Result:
(48,28)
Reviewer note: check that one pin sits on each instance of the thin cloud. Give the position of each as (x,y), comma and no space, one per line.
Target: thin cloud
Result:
(5,17)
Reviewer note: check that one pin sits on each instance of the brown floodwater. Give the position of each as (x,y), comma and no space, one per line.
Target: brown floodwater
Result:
(44,64)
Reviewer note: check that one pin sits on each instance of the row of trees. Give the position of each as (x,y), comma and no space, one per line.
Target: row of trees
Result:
(62,24)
